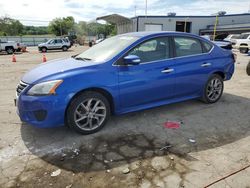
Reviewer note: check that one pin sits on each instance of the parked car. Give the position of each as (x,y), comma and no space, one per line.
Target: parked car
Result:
(242,43)
(223,44)
(231,37)
(10,46)
(21,47)
(122,74)
(55,44)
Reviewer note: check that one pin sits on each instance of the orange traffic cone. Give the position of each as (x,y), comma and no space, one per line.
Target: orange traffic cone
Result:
(44,58)
(13,58)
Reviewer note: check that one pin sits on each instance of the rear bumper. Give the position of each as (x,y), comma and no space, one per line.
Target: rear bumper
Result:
(42,111)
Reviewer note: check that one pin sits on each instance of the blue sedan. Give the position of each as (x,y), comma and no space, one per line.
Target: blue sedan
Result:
(125,73)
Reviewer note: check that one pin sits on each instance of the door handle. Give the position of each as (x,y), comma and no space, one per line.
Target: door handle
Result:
(206,64)
(167,70)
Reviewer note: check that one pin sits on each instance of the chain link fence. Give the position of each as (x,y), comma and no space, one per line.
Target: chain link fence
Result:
(29,41)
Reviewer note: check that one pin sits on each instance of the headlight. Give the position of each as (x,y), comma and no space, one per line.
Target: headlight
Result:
(45,88)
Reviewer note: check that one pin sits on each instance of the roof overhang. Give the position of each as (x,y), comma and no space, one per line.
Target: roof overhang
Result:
(114,19)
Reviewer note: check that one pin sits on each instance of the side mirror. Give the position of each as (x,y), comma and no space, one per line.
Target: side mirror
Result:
(132,60)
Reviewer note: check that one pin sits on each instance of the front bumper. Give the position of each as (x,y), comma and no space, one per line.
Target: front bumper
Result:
(42,111)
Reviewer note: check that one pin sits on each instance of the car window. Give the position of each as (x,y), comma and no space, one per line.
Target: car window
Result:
(185,46)
(244,36)
(207,46)
(51,42)
(152,50)
(59,41)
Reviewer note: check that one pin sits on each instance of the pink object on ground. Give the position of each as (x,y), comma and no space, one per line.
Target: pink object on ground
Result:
(172,125)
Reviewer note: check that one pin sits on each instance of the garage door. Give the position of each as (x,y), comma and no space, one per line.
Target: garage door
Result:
(153,27)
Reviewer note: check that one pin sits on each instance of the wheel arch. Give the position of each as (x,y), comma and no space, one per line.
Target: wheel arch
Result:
(221,74)
(243,44)
(104,92)
(6,47)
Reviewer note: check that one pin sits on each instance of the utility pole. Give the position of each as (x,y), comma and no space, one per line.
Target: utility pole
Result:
(146,8)
(215,26)
(135,10)
(185,25)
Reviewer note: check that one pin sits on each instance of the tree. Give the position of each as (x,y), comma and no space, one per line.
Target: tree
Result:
(10,26)
(62,26)
(98,29)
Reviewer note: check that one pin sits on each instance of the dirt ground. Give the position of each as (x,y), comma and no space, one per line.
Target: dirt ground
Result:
(213,141)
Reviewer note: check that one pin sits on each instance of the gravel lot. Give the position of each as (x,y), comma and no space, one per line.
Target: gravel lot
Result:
(213,141)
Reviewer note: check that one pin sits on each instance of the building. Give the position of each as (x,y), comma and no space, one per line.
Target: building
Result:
(227,24)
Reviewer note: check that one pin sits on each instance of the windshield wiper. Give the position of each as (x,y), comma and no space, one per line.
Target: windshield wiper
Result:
(82,58)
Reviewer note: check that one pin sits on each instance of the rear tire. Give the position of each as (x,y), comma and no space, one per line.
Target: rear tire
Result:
(88,112)
(213,89)
(64,48)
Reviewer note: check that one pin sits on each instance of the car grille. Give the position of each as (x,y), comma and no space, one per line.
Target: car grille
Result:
(20,87)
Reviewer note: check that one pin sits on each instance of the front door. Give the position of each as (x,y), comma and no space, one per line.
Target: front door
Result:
(152,80)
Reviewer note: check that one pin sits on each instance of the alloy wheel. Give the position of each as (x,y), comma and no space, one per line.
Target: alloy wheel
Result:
(214,89)
(90,114)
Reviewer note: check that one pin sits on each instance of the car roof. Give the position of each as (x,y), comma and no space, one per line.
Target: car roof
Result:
(149,33)
(155,33)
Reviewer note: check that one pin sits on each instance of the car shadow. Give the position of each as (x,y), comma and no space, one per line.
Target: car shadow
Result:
(53,51)
(141,135)
(16,53)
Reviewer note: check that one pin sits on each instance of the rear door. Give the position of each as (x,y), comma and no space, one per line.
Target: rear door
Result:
(58,44)
(152,80)
(193,64)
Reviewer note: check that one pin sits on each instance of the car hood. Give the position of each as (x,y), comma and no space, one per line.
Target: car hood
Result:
(42,44)
(55,67)
(239,40)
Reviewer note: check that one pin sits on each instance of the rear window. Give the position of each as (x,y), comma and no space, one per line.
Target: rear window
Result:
(207,46)
(185,46)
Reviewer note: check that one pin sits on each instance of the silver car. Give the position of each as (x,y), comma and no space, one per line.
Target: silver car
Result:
(55,44)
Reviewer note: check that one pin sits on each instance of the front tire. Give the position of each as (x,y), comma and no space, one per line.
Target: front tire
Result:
(244,50)
(88,112)
(213,89)
(10,50)
(44,49)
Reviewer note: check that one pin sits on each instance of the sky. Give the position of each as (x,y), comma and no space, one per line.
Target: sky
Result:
(88,10)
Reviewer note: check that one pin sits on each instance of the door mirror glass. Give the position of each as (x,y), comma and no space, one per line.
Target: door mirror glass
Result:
(132,60)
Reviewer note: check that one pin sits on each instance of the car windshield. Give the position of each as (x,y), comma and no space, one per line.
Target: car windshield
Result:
(107,49)
(244,36)
(49,41)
